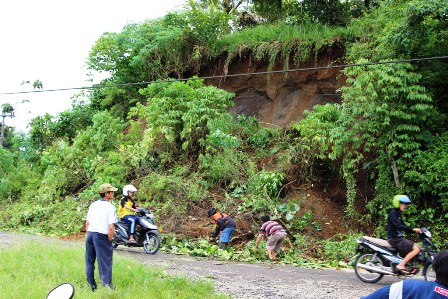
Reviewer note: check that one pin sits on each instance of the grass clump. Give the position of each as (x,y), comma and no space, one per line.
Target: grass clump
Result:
(31,269)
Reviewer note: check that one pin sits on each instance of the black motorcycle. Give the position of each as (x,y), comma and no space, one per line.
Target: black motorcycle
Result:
(377,258)
(146,233)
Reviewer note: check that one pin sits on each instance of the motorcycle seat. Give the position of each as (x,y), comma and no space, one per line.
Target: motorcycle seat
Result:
(380,242)
(124,225)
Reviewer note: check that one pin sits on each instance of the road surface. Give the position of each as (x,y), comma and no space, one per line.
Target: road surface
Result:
(249,280)
(261,280)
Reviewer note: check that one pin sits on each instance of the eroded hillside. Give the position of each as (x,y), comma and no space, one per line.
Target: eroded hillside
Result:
(281,97)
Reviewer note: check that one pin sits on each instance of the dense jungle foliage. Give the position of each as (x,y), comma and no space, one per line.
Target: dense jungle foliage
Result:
(176,141)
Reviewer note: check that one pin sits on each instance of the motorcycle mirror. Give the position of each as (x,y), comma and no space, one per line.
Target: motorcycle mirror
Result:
(63,291)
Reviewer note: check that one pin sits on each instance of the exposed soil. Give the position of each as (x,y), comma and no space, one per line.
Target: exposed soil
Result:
(279,98)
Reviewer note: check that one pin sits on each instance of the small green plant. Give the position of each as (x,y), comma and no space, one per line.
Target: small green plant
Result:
(219,138)
(267,183)
(288,210)
(225,166)
(306,221)
(339,249)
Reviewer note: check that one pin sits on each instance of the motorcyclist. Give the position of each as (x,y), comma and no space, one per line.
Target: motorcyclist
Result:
(127,209)
(395,229)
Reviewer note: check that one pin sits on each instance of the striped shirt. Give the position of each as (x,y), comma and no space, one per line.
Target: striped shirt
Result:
(269,228)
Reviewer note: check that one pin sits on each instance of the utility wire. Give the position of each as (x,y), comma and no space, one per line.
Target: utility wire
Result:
(231,75)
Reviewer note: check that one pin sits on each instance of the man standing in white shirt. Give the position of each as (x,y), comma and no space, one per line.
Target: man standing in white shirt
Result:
(100,227)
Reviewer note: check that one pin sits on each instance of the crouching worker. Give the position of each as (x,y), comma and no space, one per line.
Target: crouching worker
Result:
(276,236)
(223,224)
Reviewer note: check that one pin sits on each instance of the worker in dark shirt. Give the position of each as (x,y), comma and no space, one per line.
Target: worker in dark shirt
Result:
(395,230)
(224,225)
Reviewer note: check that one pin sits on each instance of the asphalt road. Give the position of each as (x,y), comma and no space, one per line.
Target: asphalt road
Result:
(250,280)
(261,280)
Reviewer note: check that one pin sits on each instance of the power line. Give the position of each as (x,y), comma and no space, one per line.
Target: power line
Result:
(231,75)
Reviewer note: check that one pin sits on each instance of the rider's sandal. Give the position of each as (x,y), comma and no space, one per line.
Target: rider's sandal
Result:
(403,271)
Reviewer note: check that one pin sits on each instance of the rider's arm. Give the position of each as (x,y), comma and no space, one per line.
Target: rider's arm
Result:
(130,208)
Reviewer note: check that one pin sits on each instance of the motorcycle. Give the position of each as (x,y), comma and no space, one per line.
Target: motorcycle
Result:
(377,258)
(146,233)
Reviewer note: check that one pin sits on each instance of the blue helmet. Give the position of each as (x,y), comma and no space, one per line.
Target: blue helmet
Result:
(398,199)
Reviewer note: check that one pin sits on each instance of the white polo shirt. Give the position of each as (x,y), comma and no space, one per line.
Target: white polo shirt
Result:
(101,213)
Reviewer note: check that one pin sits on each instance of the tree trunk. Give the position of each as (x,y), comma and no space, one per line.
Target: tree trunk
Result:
(395,173)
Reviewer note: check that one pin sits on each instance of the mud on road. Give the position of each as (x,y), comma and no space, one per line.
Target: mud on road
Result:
(247,280)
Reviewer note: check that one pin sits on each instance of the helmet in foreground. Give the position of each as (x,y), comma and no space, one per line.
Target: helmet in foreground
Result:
(398,199)
(128,188)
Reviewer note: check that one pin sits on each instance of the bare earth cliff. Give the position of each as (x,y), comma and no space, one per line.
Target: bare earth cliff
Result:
(280,98)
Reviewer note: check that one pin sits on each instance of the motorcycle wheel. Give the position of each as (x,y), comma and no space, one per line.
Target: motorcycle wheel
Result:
(151,244)
(428,272)
(368,259)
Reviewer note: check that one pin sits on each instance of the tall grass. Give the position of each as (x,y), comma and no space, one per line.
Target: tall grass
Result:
(290,37)
(31,269)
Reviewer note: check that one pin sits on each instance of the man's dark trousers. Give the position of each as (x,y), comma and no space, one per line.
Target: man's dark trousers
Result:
(100,248)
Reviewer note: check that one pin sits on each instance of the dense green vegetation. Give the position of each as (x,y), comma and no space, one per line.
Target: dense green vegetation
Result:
(176,141)
(65,263)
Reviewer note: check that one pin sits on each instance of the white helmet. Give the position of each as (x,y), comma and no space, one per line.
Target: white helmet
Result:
(128,188)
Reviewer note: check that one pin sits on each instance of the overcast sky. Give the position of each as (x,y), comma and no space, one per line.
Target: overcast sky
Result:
(49,40)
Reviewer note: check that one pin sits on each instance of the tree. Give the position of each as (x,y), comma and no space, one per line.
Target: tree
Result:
(41,133)
(228,6)
(7,108)
(178,114)
(7,111)
(421,30)
(385,116)
(37,84)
